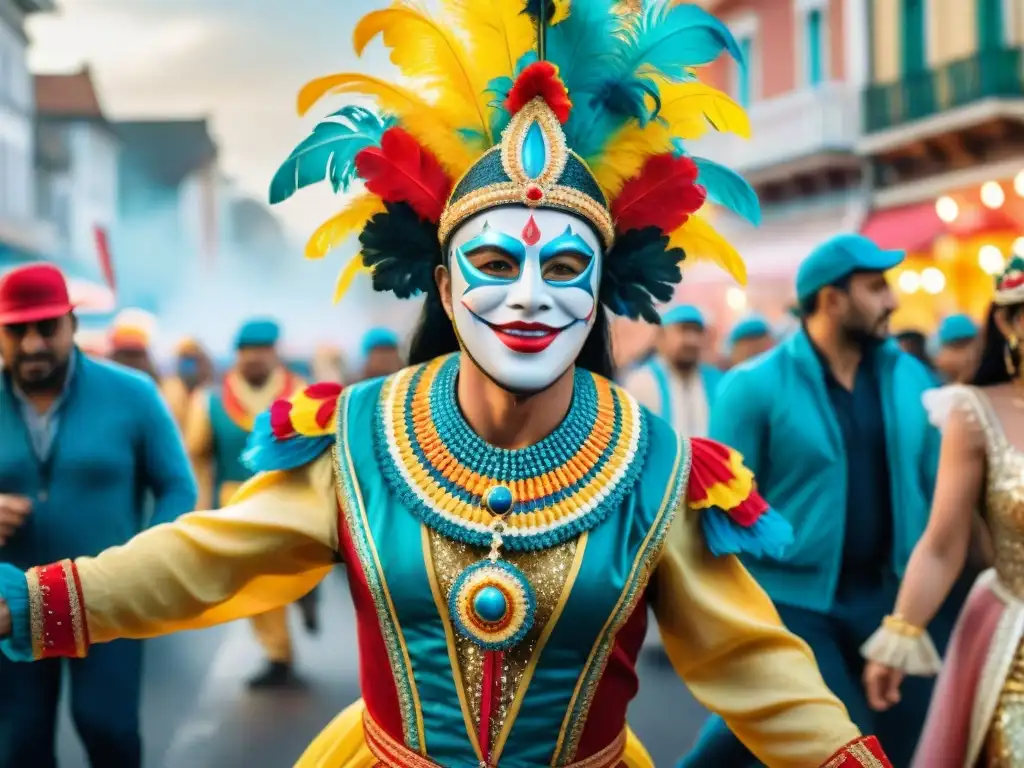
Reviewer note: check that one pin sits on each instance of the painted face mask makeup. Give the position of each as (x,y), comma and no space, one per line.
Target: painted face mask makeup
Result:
(524,291)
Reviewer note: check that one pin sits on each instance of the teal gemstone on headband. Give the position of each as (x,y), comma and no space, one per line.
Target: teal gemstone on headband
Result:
(490,605)
(499,500)
(535,153)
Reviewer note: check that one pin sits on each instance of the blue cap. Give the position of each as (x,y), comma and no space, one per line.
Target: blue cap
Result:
(839,257)
(957,328)
(258,333)
(750,327)
(376,338)
(685,313)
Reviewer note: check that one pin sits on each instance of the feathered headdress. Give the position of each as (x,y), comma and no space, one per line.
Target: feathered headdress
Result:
(582,107)
(1010,284)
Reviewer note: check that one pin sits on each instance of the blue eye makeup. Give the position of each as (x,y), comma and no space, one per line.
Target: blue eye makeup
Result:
(488,238)
(570,242)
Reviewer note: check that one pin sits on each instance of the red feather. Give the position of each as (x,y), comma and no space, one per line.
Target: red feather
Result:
(401,171)
(540,79)
(663,195)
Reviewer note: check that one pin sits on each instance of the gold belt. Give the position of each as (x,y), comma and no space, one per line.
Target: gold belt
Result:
(394,754)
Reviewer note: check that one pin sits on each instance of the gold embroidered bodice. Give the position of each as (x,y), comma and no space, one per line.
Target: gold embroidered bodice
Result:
(1004,495)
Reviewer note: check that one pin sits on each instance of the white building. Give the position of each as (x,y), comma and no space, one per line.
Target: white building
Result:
(76,167)
(20,229)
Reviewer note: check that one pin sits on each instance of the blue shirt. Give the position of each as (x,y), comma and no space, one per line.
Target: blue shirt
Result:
(868,541)
(42,426)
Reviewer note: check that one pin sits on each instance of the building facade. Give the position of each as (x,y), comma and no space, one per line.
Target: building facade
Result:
(22,234)
(944,142)
(806,64)
(76,153)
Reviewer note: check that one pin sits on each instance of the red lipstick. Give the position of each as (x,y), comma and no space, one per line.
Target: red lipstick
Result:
(526,338)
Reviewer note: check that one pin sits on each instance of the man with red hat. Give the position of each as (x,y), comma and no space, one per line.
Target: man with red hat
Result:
(82,444)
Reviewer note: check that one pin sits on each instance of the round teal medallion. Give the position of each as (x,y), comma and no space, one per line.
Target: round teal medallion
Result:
(490,605)
(499,500)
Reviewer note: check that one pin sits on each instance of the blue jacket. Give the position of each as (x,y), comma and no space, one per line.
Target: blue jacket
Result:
(116,444)
(775,410)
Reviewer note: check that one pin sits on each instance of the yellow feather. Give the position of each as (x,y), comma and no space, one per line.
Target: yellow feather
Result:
(499,33)
(347,222)
(562,10)
(688,107)
(348,275)
(427,52)
(626,152)
(702,243)
(432,126)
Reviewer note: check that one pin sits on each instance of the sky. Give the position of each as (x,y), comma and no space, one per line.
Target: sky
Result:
(241,62)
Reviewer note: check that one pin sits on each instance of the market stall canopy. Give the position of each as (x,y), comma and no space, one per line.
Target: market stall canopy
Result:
(916,228)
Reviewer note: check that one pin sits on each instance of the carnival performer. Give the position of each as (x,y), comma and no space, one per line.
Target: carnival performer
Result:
(675,383)
(217,427)
(749,338)
(977,712)
(193,372)
(380,353)
(959,347)
(85,447)
(506,514)
(832,424)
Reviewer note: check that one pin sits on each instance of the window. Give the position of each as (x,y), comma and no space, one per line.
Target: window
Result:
(990,24)
(914,31)
(743,90)
(815,46)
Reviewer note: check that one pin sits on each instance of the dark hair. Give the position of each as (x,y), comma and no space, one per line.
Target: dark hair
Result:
(809,306)
(992,368)
(435,336)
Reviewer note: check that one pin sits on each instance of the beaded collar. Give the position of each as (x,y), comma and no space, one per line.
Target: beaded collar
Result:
(548,493)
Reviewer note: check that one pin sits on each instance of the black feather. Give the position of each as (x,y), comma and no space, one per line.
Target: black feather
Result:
(401,249)
(640,269)
(534,9)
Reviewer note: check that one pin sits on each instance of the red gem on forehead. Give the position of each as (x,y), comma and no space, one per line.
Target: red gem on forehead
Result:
(531,232)
(534,193)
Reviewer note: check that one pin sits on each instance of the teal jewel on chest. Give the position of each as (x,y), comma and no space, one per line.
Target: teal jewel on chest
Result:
(499,500)
(492,604)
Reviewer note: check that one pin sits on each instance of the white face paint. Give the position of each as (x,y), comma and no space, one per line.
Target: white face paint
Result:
(524,292)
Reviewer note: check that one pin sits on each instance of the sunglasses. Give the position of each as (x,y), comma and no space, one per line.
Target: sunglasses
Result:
(45,328)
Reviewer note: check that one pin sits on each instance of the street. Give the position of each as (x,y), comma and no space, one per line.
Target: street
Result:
(197,713)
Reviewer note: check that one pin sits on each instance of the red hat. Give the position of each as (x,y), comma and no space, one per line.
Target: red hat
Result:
(33,293)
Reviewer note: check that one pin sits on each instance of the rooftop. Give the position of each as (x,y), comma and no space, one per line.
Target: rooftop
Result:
(169,149)
(72,95)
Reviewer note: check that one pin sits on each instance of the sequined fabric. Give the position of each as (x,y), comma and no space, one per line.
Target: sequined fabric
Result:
(1004,514)
(547,571)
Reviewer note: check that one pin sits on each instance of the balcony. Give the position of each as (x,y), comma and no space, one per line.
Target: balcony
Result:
(800,132)
(992,74)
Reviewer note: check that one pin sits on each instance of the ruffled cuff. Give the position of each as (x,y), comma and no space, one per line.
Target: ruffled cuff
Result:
(913,655)
(865,752)
(14,591)
(294,432)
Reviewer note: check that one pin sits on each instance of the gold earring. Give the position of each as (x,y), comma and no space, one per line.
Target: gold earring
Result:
(1008,355)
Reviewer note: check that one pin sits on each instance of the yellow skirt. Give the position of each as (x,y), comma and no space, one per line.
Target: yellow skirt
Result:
(342,745)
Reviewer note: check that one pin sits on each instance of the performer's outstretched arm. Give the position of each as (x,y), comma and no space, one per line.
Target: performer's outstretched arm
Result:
(267,549)
(724,636)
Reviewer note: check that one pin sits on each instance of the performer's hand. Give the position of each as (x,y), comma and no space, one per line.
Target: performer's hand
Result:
(14,510)
(5,620)
(882,685)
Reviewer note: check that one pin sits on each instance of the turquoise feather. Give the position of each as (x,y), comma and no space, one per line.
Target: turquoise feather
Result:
(728,189)
(329,152)
(669,39)
(768,537)
(265,453)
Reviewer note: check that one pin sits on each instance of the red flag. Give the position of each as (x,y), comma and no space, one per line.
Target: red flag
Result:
(106,260)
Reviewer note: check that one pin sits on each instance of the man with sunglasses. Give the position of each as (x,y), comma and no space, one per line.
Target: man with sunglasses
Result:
(82,444)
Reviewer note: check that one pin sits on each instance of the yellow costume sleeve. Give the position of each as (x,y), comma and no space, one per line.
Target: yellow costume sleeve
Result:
(726,641)
(177,399)
(198,433)
(270,547)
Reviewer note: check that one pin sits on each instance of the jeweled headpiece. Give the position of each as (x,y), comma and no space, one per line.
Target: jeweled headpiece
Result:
(581,107)
(1010,284)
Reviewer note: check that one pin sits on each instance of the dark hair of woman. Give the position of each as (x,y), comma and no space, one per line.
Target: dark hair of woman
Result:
(435,336)
(992,368)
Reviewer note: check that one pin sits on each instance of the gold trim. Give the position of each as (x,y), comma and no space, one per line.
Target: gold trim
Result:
(35,611)
(449,636)
(531,667)
(508,193)
(77,617)
(864,756)
(641,558)
(380,573)
(514,138)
